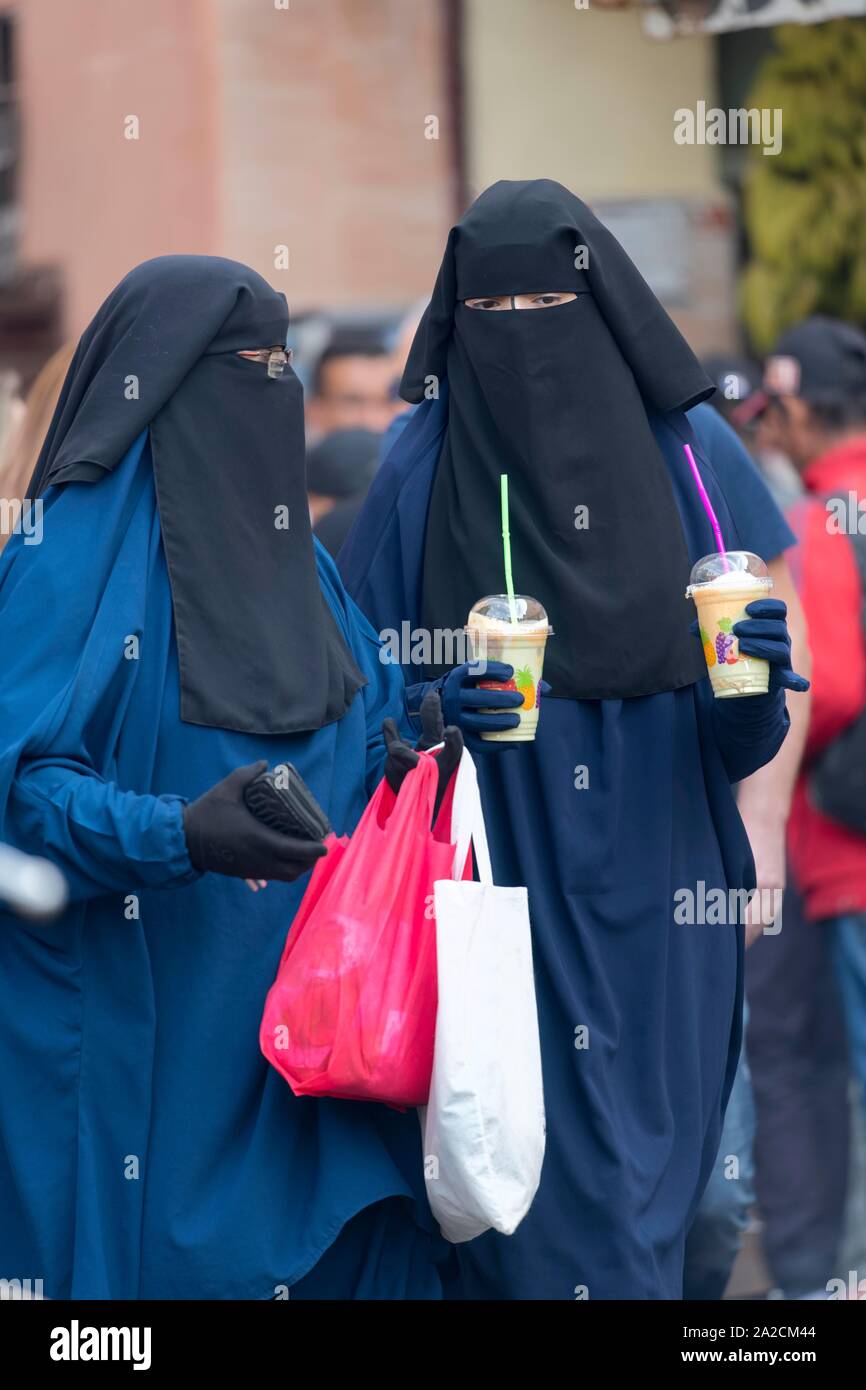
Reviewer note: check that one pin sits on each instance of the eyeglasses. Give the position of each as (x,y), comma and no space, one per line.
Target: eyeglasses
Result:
(276,359)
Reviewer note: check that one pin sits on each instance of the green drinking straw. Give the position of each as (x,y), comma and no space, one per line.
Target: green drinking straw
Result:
(506,546)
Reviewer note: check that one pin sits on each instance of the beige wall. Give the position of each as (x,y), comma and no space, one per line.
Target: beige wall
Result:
(92,201)
(583,97)
(323,128)
(258,127)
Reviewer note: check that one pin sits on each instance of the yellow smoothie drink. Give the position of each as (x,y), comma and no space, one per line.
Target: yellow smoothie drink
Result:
(495,637)
(721,586)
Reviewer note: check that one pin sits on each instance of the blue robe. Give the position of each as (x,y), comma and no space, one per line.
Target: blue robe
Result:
(147,1150)
(640,1017)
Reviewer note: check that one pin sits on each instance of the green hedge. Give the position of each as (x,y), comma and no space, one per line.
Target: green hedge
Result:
(805,208)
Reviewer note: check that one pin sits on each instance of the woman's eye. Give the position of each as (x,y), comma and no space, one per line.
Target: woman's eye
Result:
(549,299)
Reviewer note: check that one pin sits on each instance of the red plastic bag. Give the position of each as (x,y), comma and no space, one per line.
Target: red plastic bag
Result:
(352,1012)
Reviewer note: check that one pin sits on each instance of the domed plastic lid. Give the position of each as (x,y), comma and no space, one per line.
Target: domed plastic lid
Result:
(495,610)
(730,569)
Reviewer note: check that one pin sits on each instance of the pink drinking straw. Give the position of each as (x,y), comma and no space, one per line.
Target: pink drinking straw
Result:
(708,506)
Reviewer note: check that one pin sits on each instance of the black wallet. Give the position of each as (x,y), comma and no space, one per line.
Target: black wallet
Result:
(282,800)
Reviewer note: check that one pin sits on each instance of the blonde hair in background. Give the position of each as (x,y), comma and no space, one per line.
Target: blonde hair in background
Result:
(24,441)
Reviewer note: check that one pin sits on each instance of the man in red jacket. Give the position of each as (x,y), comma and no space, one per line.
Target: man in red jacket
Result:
(815,403)
(817,376)
(816,381)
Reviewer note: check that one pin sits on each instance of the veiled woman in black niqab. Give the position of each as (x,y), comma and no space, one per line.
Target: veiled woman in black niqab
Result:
(624,798)
(176,631)
(228,458)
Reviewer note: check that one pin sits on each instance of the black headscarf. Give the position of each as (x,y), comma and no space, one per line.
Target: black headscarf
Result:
(258,647)
(557,398)
(343,463)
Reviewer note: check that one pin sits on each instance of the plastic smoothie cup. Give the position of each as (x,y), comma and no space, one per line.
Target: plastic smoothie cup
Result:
(494,637)
(721,586)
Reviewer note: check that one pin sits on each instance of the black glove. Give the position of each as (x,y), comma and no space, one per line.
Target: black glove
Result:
(432,721)
(401,758)
(224,837)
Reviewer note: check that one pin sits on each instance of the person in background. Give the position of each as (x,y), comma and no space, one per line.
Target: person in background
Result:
(340,465)
(814,400)
(740,402)
(24,441)
(765,441)
(764,801)
(736,378)
(340,468)
(798,1058)
(353,386)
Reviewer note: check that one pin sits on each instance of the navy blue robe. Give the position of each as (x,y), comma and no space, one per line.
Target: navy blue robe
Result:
(147,1150)
(640,1017)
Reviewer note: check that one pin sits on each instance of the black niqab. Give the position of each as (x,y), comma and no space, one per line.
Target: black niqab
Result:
(557,398)
(259,650)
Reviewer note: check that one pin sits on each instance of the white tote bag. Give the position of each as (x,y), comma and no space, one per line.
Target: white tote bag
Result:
(484,1122)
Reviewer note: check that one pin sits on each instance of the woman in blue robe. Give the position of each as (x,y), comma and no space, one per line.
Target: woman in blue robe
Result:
(624,800)
(163,635)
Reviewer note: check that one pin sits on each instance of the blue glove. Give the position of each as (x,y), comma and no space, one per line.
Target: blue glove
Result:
(462,700)
(765,633)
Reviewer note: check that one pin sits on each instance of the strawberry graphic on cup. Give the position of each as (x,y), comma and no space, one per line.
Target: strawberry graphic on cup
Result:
(516,637)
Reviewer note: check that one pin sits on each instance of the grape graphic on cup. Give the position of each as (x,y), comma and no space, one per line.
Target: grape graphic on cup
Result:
(722,585)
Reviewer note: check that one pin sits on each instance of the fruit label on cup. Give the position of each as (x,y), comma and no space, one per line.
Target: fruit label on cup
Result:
(512,629)
(731,671)
(725,649)
(722,586)
(527,658)
(526,680)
